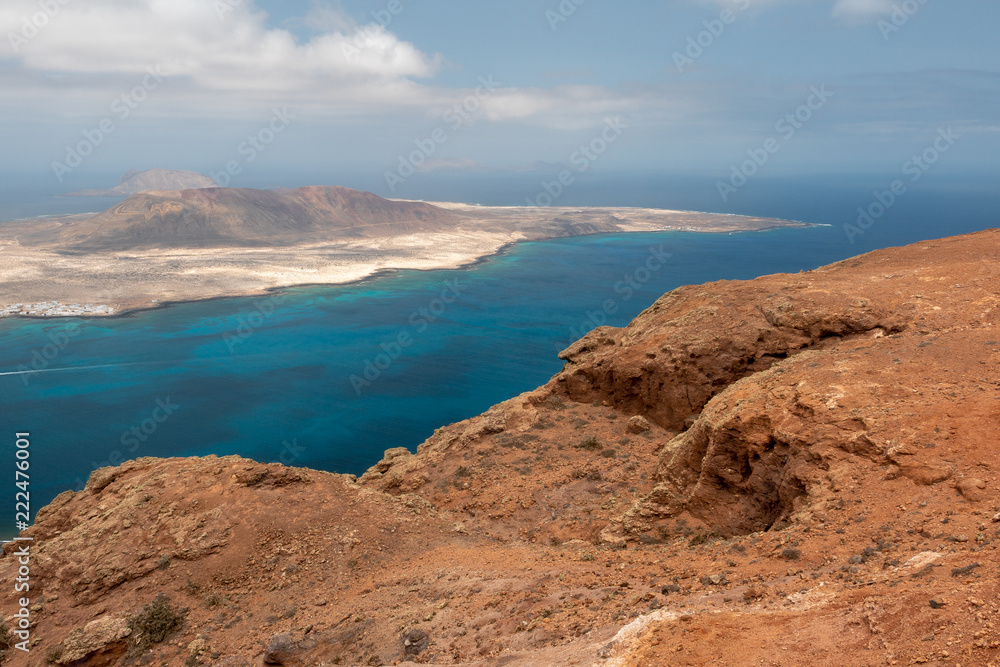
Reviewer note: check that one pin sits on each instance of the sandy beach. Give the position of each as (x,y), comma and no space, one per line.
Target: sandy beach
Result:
(39,279)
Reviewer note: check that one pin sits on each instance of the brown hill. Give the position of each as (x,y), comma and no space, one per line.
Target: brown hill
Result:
(243,217)
(799,469)
(134,182)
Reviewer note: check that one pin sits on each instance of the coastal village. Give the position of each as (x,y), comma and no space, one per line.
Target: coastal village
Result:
(56,309)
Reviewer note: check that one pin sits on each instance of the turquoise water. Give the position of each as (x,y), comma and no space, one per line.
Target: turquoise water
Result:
(271,378)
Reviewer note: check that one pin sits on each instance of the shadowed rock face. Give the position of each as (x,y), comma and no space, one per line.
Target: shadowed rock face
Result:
(798,469)
(242,217)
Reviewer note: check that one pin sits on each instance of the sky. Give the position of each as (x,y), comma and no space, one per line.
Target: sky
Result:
(255,91)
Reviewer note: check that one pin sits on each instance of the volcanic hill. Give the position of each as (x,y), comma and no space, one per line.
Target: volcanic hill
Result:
(243,217)
(134,182)
(798,469)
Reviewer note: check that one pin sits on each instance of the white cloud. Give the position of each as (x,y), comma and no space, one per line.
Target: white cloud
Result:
(325,17)
(234,50)
(225,65)
(567,107)
(861,9)
(850,10)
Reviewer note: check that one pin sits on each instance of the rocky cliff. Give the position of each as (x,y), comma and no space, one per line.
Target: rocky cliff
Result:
(798,469)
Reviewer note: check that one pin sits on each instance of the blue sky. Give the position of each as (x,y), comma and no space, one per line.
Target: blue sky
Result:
(359,95)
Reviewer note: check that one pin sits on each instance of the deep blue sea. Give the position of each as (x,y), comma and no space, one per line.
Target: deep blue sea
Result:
(318,376)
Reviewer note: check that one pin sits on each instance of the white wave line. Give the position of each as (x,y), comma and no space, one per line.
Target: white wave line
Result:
(68,368)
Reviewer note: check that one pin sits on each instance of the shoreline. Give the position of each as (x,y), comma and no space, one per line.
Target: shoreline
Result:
(126,283)
(127,311)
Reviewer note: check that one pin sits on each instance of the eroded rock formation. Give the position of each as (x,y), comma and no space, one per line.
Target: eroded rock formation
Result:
(798,469)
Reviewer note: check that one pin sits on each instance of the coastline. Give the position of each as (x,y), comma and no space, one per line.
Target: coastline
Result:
(271,291)
(127,283)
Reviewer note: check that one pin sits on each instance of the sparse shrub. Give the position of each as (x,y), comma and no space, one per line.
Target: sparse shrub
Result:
(153,623)
(609,453)
(213,600)
(192,588)
(591,444)
(163,563)
(556,402)
(53,653)
(791,554)
(702,538)
(588,556)
(6,641)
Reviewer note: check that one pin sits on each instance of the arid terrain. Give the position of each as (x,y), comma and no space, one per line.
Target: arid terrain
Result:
(164,246)
(795,470)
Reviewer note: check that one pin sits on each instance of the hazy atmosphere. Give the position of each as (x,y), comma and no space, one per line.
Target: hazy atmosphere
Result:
(521,333)
(358,85)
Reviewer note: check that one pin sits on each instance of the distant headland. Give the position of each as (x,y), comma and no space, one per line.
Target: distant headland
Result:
(160,246)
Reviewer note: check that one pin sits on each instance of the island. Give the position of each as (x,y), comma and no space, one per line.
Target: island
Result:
(163,246)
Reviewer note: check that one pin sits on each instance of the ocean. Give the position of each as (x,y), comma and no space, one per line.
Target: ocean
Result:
(329,377)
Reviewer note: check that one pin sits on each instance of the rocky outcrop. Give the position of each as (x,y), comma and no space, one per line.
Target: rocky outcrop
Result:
(100,641)
(696,341)
(798,469)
